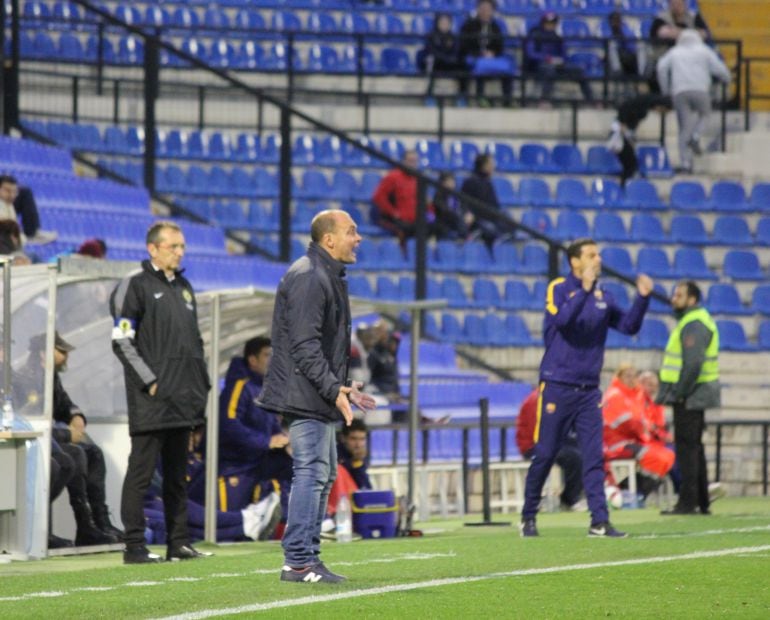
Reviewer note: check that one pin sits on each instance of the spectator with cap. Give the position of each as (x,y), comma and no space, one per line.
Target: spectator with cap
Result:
(73,449)
(545,57)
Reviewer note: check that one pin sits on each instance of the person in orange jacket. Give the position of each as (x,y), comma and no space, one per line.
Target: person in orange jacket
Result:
(656,416)
(628,433)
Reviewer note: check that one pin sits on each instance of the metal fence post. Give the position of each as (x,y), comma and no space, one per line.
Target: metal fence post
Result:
(151,76)
(285,185)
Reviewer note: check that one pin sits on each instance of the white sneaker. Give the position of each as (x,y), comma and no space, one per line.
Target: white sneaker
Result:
(716,491)
(43,236)
(258,517)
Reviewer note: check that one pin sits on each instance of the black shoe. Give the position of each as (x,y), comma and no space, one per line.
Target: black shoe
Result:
(311,574)
(91,535)
(57,542)
(605,530)
(528,528)
(676,510)
(142,555)
(185,552)
(102,521)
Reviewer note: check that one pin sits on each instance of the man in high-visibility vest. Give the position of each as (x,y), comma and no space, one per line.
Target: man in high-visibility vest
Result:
(689,381)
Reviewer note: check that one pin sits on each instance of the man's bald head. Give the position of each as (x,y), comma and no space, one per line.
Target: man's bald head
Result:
(323,223)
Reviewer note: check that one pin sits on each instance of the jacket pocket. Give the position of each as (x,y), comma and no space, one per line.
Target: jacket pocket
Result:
(303,396)
(184,382)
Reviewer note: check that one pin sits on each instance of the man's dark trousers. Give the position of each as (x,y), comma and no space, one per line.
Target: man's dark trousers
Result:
(691,458)
(563,408)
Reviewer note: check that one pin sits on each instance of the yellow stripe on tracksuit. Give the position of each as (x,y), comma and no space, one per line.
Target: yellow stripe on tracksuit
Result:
(222,495)
(549,305)
(232,406)
(536,436)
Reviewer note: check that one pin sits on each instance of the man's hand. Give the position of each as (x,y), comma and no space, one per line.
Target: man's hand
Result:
(588,278)
(279,440)
(77,428)
(153,389)
(644,285)
(343,404)
(363,401)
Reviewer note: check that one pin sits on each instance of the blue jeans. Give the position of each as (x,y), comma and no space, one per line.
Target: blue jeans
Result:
(315,467)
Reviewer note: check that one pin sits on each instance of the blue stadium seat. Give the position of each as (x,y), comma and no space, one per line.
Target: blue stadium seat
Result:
(474,331)
(728,196)
(506,195)
(568,158)
(396,61)
(451,330)
(600,160)
(462,155)
(689,196)
(517,332)
(216,18)
(605,193)
(343,186)
(219,146)
(644,8)
(534,191)
(538,220)
(278,58)
(315,186)
(388,24)
(618,259)
(250,55)
(452,290)
(653,161)
(247,148)
(743,265)
(476,258)
(431,154)
(690,263)
(640,193)
(369,183)
(270,149)
(762,235)
(731,230)
(572,193)
(359,286)
(184,17)
(197,145)
(653,334)
(609,227)
(506,258)
(763,336)
(318,22)
(732,337)
(724,299)
(393,148)
(354,23)
(760,197)
(505,157)
(323,59)
(688,229)
(44,47)
(536,158)
(221,54)
(387,289)
(760,299)
(654,262)
(350,58)
(285,21)
(562,7)
(446,256)
(303,151)
(534,260)
(537,301)
(570,226)
(485,293)
(616,340)
(573,29)
(130,51)
(70,48)
(658,306)
(516,296)
(591,63)
(646,228)
(603,8)
(128,14)
(157,16)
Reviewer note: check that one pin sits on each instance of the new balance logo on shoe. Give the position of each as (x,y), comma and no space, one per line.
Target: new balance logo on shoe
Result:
(310,574)
(312,577)
(605,530)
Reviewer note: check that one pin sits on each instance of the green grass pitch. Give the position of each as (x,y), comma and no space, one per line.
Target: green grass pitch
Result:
(669,567)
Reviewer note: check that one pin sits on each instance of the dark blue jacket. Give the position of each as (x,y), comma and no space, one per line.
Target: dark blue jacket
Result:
(541,45)
(575,330)
(244,428)
(311,339)
(356,469)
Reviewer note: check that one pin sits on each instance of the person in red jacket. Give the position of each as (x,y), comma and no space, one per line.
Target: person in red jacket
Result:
(395,199)
(627,432)
(568,457)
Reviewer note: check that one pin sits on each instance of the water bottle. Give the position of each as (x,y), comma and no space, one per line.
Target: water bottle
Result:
(8,416)
(630,500)
(344,520)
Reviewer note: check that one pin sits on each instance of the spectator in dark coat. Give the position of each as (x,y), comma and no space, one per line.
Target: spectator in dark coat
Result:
(442,53)
(479,185)
(452,221)
(481,37)
(546,58)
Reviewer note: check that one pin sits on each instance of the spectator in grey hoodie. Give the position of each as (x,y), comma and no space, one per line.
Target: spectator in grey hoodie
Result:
(685,72)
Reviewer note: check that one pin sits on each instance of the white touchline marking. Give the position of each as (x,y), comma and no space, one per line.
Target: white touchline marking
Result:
(737,530)
(433,583)
(259,571)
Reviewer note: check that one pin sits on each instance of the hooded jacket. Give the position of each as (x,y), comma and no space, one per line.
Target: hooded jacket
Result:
(311,339)
(690,66)
(156,338)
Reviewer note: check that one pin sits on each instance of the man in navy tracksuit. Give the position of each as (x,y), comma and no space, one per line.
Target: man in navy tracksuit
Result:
(578,314)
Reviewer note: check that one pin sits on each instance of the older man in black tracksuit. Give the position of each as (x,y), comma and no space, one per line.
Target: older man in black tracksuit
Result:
(157,340)
(307,383)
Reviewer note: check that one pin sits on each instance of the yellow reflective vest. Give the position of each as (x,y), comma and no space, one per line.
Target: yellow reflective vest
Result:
(672,358)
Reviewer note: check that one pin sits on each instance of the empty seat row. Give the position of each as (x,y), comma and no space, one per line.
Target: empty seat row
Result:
(647,228)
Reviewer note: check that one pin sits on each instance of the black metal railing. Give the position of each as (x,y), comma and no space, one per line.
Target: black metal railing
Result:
(750,94)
